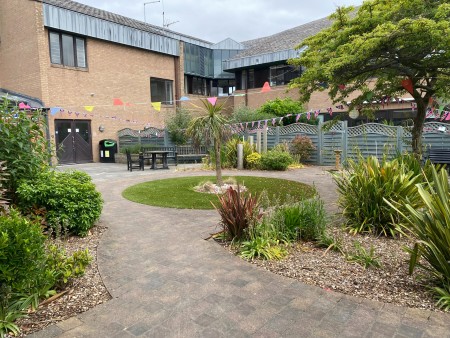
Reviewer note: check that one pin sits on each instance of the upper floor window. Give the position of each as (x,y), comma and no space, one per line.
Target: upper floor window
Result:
(283,74)
(67,50)
(161,90)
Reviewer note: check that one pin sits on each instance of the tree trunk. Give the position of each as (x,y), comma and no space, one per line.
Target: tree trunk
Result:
(218,164)
(417,130)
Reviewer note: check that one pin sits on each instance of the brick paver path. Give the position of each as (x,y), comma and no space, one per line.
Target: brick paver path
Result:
(167,281)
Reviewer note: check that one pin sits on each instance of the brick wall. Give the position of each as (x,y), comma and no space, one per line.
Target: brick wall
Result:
(19,47)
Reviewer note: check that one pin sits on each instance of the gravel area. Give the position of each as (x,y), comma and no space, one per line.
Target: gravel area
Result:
(330,270)
(81,294)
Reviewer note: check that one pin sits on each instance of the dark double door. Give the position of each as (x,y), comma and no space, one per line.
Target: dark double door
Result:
(73,141)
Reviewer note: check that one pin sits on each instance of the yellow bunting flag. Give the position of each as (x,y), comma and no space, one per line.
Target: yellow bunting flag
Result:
(89,108)
(157,105)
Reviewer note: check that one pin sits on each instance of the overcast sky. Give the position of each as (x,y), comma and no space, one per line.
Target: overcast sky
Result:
(214,20)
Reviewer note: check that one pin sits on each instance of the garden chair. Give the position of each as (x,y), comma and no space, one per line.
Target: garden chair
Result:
(134,163)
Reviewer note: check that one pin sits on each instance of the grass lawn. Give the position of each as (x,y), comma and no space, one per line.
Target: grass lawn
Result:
(179,193)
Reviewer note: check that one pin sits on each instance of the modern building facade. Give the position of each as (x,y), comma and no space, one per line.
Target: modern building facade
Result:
(99,72)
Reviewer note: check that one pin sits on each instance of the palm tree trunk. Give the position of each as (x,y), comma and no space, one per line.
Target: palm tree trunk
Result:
(218,164)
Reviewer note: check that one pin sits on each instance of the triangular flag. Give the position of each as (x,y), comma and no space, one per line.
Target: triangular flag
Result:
(266,87)
(54,110)
(128,104)
(117,102)
(297,118)
(341,86)
(212,100)
(157,105)
(184,98)
(408,85)
(448,117)
(274,121)
(89,108)
(308,115)
(24,106)
(77,113)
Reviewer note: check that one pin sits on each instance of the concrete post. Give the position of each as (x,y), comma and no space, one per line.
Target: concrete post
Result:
(265,140)
(258,141)
(240,156)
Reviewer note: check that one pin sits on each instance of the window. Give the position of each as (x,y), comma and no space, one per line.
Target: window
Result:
(67,50)
(197,85)
(283,74)
(161,90)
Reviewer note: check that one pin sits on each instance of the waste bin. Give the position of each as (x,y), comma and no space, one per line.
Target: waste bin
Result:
(107,148)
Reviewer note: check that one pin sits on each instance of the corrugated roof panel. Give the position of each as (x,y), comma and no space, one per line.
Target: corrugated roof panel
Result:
(78,23)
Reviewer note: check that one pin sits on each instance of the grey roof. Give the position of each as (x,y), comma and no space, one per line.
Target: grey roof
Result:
(18,97)
(285,40)
(119,19)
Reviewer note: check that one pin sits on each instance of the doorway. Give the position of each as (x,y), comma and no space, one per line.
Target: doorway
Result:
(73,141)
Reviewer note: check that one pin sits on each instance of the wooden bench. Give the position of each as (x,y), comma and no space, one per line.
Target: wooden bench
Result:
(191,154)
(439,156)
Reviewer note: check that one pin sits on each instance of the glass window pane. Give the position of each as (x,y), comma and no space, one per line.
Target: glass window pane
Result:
(55,49)
(68,52)
(81,53)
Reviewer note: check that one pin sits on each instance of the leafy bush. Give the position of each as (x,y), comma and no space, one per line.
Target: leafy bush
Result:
(302,220)
(363,187)
(302,145)
(133,149)
(22,253)
(3,178)
(253,160)
(261,247)
(10,311)
(177,126)
(430,226)
(64,268)
(281,107)
(70,199)
(231,152)
(23,145)
(246,114)
(275,160)
(237,212)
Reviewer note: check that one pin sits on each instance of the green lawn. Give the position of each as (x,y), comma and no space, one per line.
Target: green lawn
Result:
(179,193)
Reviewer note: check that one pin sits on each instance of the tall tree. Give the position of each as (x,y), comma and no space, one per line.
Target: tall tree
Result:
(210,126)
(382,49)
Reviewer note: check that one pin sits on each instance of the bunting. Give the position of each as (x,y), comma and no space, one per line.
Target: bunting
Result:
(117,102)
(89,108)
(266,88)
(156,106)
(212,100)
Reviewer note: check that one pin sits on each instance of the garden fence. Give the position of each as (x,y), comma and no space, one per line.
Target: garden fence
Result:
(366,139)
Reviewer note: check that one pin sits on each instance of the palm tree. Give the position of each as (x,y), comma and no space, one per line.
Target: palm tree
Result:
(210,126)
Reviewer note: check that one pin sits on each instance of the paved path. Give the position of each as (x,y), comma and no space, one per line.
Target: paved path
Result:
(167,281)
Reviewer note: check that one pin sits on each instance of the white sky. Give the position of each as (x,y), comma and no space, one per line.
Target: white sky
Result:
(214,20)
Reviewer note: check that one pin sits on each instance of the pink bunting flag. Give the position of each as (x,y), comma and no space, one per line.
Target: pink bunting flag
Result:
(212,100)
(265,123)
(77,114)
(330,111)
(253,124)
(273,121)
(117,102)
(266,88)
(259,124)
(316,113)
(448,116)
(24,106)
(308,115)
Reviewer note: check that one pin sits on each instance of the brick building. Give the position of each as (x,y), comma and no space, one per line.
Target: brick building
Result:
(99,72)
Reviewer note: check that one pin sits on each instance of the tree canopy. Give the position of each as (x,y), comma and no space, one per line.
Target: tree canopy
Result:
(380,50)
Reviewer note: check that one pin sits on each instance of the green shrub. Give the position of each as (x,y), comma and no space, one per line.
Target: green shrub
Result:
(275,160)
(362,189)
(70,200)
(302,220)
(238,211)
(264,248)
(177,126)
(22,253)
(3,178)
(253,160)
(231,152)
(64,268)
(133,149)
(246,114)
(281,107)
(23,145)
(430,227)
(302,145)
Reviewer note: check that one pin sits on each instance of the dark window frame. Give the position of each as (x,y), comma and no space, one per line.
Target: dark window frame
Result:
(154,97)
(61,49)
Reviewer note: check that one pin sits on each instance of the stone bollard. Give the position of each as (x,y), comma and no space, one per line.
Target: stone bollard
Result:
(337,154)
(240,156)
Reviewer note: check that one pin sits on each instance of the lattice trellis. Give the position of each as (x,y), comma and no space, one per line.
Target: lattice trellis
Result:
(141,133)
(298,128)
(372,128)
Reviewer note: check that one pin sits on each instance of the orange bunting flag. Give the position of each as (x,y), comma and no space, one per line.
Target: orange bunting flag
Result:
(266,88)
(156,106)
(408,85)
(89,108)
(117,102)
